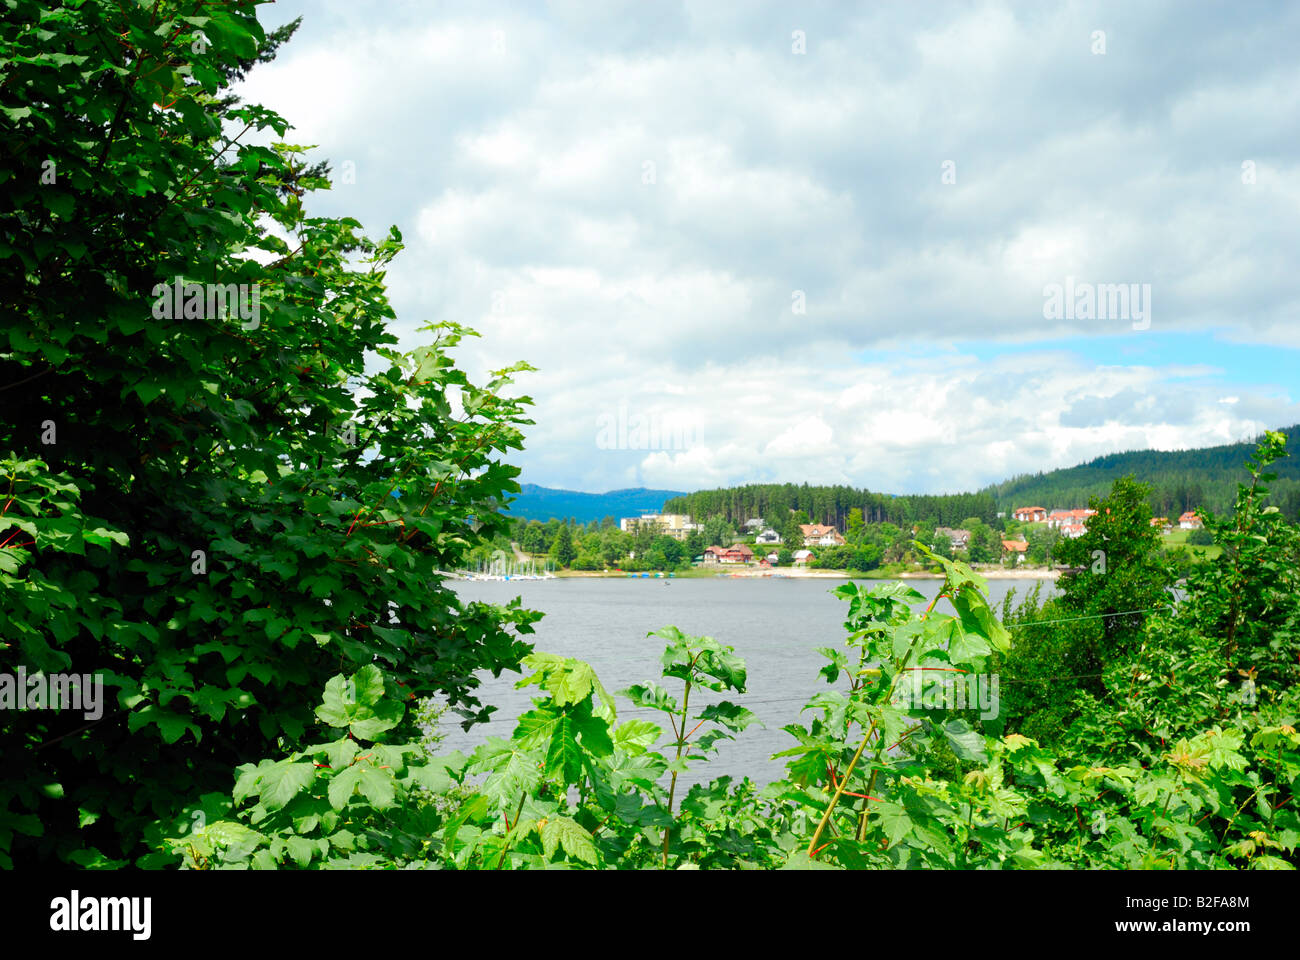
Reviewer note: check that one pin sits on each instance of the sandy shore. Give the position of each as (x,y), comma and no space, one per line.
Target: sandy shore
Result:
(990,573)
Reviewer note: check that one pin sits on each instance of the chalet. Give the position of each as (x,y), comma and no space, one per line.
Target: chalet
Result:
(768,537)
(1190,521)
(1030,514)
(1072,530)
(802,558)
(818,535)
(738,553)
(960,539)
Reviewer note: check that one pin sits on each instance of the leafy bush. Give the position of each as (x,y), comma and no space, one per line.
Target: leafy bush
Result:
(213,512)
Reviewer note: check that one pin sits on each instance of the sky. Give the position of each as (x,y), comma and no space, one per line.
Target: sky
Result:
(918,248)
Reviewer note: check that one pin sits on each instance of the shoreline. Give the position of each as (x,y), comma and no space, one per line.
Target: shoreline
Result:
(790,573)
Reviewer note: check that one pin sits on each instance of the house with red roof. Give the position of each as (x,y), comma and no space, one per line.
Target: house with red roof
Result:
(1060,519)
(736,553)
(1017,548)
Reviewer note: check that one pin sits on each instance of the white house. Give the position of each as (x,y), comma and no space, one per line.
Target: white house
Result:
(768,537)
(819,535)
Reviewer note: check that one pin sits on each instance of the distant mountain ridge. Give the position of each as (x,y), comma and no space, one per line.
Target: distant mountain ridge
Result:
(542,503)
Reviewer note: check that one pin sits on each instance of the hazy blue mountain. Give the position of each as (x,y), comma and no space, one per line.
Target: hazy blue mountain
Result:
(543,503)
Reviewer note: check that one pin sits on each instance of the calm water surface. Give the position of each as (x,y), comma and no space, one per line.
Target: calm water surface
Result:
(775,624)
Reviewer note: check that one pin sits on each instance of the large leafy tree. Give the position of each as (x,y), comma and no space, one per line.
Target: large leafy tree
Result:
(1118,580)
(1118,575)
(212,511)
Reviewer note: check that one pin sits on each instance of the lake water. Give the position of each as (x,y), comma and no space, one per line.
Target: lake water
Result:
(775,624)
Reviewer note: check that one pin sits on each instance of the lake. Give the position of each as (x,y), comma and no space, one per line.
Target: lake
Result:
(775,624)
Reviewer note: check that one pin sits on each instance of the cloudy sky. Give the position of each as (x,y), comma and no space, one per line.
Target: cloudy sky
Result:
(750,242)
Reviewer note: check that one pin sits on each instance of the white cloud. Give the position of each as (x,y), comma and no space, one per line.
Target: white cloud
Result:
(513,148)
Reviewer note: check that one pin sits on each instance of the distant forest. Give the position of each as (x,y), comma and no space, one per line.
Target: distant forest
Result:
(1180,480)
(831,505)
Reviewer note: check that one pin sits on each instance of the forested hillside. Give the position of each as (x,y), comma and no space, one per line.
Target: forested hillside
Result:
(1180,480)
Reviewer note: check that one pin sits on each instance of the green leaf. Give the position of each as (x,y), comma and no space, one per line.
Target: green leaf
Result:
(513,771)
(343,785)
(369,683)
(301,849)
(978,620)
(965,742)
(387,715)
(339,753)
(566,834)
(284,781)
(636,736)
(650,695)
(893,819)
(377,786)
(568,681)
(730,715)
(238,839)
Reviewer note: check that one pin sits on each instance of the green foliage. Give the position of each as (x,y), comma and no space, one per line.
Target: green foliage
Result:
(562,550)
(213,511)
(1064,647)
(1117,570)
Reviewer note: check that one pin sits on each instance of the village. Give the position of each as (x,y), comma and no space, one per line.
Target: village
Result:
(759,546)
